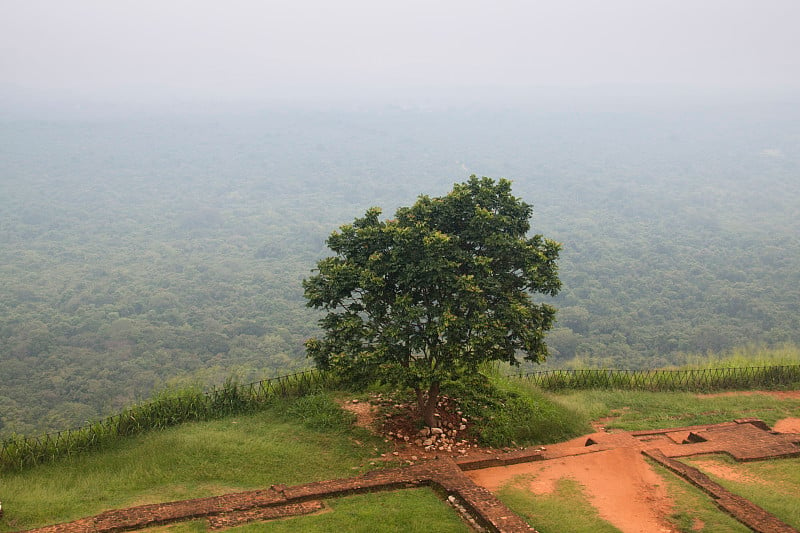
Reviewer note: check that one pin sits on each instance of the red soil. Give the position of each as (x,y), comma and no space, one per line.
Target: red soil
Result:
(787,425)
(618,483)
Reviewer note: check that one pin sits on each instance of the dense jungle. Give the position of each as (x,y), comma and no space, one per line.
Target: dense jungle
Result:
(142,252)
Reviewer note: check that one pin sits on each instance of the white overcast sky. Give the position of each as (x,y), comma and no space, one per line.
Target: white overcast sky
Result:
(231,49)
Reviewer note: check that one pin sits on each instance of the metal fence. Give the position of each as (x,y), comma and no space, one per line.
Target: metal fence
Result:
(19,452)
(710,379)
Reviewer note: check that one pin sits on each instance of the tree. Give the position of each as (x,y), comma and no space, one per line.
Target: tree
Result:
(431,294)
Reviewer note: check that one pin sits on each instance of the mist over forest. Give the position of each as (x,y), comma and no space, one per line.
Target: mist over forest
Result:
(142,251)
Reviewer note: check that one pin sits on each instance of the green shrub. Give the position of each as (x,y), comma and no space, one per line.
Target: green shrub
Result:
(507,412)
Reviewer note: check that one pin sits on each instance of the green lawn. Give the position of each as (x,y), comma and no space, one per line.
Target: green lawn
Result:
(693,510)
(411,510)
(310,439)
(566,510)
(189,461)
(634,410)
(773,485)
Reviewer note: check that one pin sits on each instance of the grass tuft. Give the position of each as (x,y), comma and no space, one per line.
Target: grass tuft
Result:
(319,412)
(509,412)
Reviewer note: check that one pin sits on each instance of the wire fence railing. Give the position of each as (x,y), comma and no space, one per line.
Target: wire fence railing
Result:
(695,380)
(168,409)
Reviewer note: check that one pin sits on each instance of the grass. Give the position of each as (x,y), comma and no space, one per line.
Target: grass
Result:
(193,460)
(168,408)
(318,412)
(693,511)
(635,410)
(311,438)
(510,412)
(566,510)
(411,510)
(773,485)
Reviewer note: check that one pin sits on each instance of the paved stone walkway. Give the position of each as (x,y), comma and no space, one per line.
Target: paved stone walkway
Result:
(744,440)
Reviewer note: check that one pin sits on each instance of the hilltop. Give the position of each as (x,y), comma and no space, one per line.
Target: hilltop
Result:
(312,439)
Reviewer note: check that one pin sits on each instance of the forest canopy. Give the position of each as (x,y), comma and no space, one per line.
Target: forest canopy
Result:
(142,251)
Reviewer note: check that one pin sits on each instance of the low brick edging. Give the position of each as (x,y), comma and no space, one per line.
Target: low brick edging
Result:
(488,512)
(506,459)
(740,508)
(742,439)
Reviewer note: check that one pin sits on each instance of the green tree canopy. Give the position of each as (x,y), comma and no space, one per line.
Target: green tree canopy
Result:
(429,295)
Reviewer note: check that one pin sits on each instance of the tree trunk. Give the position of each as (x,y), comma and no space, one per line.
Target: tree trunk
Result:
(430,405)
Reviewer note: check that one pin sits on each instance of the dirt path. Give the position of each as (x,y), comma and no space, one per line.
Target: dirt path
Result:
(619,484)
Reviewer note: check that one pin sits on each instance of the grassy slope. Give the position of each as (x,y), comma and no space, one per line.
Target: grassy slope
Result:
(193,460)
(306,440)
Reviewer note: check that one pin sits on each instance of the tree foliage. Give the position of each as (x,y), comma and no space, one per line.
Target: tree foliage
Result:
(429,295)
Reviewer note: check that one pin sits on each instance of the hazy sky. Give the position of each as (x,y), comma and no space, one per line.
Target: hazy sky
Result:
(237,49)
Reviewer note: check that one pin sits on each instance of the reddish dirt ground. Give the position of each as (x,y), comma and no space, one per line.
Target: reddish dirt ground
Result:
(787,425)
(724,471)
(633,499)
(619,483)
